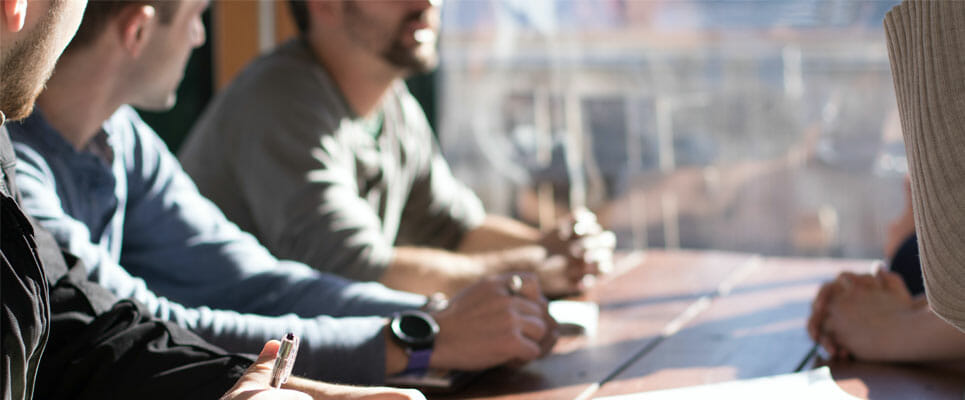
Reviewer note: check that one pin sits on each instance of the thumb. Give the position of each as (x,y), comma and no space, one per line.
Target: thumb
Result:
(253,385)
(268,353)
(259,374)
(892,281)
(267,356)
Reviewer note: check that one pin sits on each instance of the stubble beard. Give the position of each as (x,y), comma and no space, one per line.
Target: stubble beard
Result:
(410,60)
(27,66)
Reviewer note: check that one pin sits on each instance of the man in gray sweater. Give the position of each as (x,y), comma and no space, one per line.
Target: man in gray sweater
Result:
(320,151)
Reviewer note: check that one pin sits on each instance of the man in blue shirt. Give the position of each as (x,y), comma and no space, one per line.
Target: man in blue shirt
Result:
(95,175)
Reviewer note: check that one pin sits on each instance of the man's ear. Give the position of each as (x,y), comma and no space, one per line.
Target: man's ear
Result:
(14,14)
(136,24)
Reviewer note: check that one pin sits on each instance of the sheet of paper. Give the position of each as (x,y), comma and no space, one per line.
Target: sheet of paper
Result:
(575,317)
(813,384)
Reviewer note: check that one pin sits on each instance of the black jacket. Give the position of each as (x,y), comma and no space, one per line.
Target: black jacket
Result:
(75,339)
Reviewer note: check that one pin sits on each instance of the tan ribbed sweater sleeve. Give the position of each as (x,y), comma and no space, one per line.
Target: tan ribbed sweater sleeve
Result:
(926,45)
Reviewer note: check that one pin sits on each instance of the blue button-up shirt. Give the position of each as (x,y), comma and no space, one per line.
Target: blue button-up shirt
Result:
(127,209)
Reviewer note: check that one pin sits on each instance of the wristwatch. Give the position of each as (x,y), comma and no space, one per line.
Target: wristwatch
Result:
(416,332)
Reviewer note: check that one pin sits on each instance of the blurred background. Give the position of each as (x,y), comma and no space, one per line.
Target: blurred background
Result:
(763,126)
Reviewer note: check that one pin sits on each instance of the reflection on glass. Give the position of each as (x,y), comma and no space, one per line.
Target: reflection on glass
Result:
(764,126)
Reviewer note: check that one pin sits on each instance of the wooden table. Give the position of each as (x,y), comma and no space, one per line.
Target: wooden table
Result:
(678,318)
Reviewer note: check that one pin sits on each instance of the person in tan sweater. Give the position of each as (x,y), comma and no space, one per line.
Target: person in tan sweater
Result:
(873,316)
(926,44)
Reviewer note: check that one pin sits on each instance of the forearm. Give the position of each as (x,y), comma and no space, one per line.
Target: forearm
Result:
(327,391)
(426,271)
(316,389)
(920,335)
(498,233)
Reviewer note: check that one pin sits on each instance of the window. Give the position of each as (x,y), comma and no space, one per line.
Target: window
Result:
(764,126)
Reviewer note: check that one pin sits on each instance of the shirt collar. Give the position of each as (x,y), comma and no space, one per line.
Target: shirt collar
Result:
(99,147)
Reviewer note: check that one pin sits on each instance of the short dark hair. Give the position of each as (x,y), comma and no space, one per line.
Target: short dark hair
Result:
(99,12)
(300,14)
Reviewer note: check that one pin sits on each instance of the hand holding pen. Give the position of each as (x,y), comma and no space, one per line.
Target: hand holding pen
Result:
(254,384)
(273,368)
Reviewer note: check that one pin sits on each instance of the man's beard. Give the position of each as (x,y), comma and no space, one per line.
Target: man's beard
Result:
(411,60)
(26,66)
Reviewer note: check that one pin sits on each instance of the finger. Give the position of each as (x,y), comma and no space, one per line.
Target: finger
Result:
(591,247)
(876,266)
(850,280)
(524,349)
(604,263)
(820,303)
(259,373)
(410,394)
(531,289)
(413,394)
(845,281)
(602,240)
(814,326)
(892,281)
(549,339)
(599,257)
(840,353)
(818,312)
(274,394)
(268,353)
(576,269)
(592,262)
(527,307)
(867,281)
(254,383)
(821,297)
(584,222)
(533,328)
(829,345)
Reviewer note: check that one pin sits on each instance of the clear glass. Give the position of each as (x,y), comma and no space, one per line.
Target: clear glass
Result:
(763,126)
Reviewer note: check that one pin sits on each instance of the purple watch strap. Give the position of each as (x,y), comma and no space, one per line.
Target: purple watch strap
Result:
(419,360)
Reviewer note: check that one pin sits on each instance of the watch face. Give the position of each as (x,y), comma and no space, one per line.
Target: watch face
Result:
(416,329)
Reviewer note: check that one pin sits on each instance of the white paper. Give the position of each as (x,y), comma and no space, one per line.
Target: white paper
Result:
(813,384)
(580,317)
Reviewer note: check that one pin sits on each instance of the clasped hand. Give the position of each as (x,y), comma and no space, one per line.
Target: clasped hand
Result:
(858,315)
(577,250)
(487,325)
